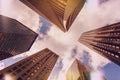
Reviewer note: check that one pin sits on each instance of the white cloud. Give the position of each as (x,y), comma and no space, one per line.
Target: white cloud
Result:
(20,12)
(97,75)
(16,10)
(91,18)
(97,61)
(2,65)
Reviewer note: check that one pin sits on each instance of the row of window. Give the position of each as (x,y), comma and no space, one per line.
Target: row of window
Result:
(29,67)
(59,8)
(20,67)
(102,50)
(108,28)
(4,55)
(106,42)
(105,30)
(11,43)
(47,68)
(38,66)
(108,46)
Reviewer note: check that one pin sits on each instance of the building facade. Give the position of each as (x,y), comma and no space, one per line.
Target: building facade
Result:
(15,38)
(105,41)
(78,71)
(60,12)
(36,67)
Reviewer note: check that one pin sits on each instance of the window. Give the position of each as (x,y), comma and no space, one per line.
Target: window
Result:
(19,70)
(23,75)
(28,71)
(14,68)
(1,76)
(9,71)
(19,78)
(19,65)
(23,67)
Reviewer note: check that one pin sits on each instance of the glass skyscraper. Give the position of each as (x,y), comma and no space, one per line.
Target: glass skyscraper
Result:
(36,67)
(105,41)
(15,38)
(60,12)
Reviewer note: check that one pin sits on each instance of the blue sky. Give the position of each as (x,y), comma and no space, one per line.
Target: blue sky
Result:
(111,71)
(95,14)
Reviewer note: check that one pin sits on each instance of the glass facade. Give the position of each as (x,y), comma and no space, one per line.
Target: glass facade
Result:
(35,67)
(105,41)
(61,12)
(78,71)
(15,38)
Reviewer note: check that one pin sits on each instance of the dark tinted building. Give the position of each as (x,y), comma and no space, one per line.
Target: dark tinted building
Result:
(15,38)
(105,41)
(35,67)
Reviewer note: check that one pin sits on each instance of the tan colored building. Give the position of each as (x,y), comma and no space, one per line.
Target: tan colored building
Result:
(35,67)
(15,38)
(78,71)
(105,41)
(60,12)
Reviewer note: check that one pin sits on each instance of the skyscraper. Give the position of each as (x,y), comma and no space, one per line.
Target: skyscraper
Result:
(78,71)
(60,12)
(35,67)
(105,41)
(15,38)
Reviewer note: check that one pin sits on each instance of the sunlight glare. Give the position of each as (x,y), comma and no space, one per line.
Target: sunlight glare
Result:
(8,77)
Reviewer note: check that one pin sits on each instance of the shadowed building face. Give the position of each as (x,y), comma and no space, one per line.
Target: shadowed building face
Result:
(60,12)
(78,71)
(35,67)
(105,41)
(15,38)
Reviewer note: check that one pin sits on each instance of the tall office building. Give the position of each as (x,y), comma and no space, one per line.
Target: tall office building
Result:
(15,38)
(60,12)
(105,41)
(78,71)
(35,67)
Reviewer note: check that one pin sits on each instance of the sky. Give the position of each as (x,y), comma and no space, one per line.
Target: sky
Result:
(94,14)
